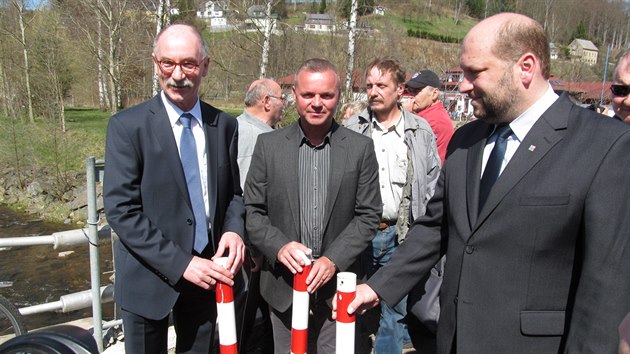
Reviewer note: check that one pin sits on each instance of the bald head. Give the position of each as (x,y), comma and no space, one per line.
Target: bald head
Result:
(509,35)
(259,89)
(181,31)
(263,100)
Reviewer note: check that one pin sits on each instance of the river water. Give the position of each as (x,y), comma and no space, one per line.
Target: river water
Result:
(38,274)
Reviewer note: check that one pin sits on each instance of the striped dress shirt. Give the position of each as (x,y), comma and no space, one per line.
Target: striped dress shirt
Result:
(313,177)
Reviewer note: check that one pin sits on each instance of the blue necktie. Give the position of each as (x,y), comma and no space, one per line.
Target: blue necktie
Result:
(493,166)
(188,151)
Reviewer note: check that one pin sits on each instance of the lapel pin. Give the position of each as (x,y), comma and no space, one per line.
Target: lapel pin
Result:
(531,148)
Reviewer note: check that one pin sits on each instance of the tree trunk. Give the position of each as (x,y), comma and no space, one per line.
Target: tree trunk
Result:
(27,75)
(266,41)
(351,39)
(103,99)
(163,19)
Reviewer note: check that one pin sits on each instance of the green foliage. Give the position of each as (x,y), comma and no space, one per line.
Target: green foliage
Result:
(322,7)
(43,144)
(580,32)
(279,8)
(365,7)
(475,8)
(437,28)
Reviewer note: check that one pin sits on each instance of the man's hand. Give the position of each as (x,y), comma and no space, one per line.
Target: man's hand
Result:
(233,242)
(364,300)
(322,271)
(205,273)
(291,257)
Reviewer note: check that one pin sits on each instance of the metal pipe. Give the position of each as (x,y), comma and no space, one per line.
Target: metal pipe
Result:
(47,307)
(27,241)
(57,239)
(112,323)
(71,302)
(95,272)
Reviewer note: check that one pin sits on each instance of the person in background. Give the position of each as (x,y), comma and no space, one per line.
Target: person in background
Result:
(312,189)
(409,166)
(620,88)
(172,194)
(531,210)
(263,110)
(424,87)
(351,108)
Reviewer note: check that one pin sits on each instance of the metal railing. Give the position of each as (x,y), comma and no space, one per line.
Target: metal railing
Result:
(91,235)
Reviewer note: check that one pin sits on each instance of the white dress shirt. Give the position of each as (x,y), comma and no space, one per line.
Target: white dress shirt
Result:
(174,113)
(520,127)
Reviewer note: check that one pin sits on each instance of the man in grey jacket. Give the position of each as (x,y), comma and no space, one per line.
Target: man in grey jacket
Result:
(409,166)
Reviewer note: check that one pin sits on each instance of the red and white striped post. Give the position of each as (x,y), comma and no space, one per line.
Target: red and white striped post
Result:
(225,314)
(346,292)
(299,316)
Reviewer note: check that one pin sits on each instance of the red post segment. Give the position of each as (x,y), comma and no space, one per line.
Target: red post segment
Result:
(225,315)
(299,316)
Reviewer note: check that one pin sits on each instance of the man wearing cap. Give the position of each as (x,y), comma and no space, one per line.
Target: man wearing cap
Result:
(409,166)
(424,86)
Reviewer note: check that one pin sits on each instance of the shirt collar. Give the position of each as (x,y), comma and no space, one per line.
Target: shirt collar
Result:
(399,126)
(175,112)
(523,123)
(304,139)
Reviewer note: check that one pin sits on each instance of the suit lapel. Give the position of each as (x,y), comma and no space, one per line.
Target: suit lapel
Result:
(210,129)
(473,173)
(161,126)
(338,160)
(289,153)
(543,136)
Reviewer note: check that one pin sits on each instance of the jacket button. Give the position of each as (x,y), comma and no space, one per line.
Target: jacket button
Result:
(470,249)
(189,221)
(455,300)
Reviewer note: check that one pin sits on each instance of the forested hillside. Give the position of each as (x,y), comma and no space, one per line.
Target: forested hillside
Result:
(97,53)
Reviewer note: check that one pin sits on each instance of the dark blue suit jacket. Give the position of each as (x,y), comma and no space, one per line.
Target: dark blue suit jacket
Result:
(147,203)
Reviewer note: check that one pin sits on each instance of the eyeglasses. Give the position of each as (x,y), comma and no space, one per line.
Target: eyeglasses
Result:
(281,98)
(620,90)
(167,66)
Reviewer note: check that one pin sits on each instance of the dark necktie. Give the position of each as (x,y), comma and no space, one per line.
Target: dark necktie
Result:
(493,166)
(188,151)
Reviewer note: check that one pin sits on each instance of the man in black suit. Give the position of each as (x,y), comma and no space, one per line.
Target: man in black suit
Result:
(312,188)
(539,262)
(174,214)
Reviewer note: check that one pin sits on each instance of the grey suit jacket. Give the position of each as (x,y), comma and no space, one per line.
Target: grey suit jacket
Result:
(352,214)
(147,203)
(544,267)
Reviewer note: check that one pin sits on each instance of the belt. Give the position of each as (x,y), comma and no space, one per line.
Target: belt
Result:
(385,224)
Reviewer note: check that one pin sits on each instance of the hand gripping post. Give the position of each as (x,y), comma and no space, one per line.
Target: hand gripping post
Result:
(299,316)
(346,292)
(225,314)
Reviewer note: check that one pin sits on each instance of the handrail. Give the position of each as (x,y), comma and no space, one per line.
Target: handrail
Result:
(91,235)
(57,239)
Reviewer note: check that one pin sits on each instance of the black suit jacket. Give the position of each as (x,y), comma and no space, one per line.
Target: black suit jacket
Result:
(352,213)
(147,203)
(544,267)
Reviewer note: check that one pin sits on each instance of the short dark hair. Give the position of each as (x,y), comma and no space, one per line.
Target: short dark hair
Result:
(317,65)
(516,38)
(388,65)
